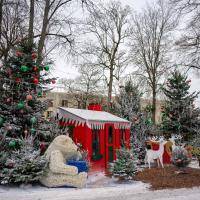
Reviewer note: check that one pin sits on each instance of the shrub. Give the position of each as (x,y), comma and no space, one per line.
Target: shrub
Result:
(180,157)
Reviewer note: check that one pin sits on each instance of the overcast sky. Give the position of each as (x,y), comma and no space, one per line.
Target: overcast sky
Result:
(64,68)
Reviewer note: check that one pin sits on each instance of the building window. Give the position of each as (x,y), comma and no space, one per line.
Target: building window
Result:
(49,114)
(96,145)
(122,137)
(64,103)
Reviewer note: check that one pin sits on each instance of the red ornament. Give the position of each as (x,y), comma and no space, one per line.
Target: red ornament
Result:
(42,147)
(9,128)
(35,68)
(33,55)
(29,97)
(9,71)
(21,111)
(18,80)
(8,100)
(11,164)
(53,81)
(35,81)
(19,54)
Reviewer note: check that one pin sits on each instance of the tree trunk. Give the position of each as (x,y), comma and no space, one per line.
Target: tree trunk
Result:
(110,85)
(31,21)
(1,16)
(154,106)
(43,32)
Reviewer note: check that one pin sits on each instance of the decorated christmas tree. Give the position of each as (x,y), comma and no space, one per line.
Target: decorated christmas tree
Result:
(179,115)
(125,166)
(21,115)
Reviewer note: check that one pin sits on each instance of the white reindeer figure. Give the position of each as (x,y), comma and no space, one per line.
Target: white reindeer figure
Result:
(151,155)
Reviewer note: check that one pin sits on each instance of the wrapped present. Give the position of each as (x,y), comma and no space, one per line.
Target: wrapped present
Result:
(80,164)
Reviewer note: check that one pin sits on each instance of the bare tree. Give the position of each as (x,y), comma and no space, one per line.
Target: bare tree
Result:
(31,21)
(108,29)
(50,9)
(186,5)
(85,86)
(17,25)
(189,42)
(150,45)
(13,25)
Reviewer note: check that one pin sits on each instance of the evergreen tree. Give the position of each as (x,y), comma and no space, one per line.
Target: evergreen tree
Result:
(129,107)
(125,166)
(21,113)
(129,101)
(23,166)
(180,157)
(179,115)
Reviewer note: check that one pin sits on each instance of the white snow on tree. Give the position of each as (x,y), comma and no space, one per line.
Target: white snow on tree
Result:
(125,166)
(128,106)
(180,157)
(24,166)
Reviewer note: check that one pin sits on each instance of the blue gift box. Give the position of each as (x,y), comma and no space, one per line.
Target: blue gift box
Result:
(80,164)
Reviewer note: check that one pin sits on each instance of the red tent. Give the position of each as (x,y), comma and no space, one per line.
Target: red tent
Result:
(98,132)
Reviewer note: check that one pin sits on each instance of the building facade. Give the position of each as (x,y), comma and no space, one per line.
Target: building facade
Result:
(64,99)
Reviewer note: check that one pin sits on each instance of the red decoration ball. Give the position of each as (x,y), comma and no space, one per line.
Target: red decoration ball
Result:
(35,68)
(8,100)
(33,55)
(18,80)
(19,54)
(9,128)
(21,111)
(29,97)
(53,81)
(35,81)
(42,147)
(10,164)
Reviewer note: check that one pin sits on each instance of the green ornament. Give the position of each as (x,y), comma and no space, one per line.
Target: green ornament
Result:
(1,121)
(149,121)
(20,105)
(46,68)
(5,170)
(33,120)
(12,144)
(33,131)
(24,68)
(39,94)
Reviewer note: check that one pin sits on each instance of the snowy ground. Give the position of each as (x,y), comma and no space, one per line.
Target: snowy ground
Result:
(99,187)
(135,191)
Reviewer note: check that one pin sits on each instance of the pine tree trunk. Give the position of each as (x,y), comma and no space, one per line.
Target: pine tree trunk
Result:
(31,21)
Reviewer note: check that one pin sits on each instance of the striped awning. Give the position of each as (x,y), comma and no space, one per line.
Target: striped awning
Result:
(93,119)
